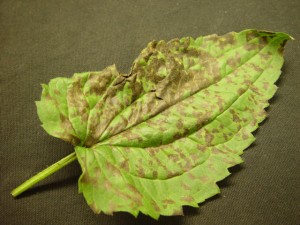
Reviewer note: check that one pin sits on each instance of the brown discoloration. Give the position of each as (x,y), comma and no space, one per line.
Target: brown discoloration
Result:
(263,41)
(220,103)
(155,206)
(48,97)
(135,198)
(281,48)
(177,136)
(256,67)
(134,190)
(262,113)
(98,172)
(240,91)
(179,124)
(208,138)
(227,39)
(168,201)
(216,151)
(95,208)
(204,179)
(67,131)
(247,82)
(187,199)
(191,176)
(251,35)
(265,56)
(178,212)
(228,161)
(225,136)
(141,171)
(111,208)
(107,185)
(254,89)
(251,46)
(154,174)
(174,157)
(235,116)
(214,130)
(86,178)
(245,136)
(185,186)
(125,165)
(113,169)
(235,61)
(188,164)
(56,92)
(99,81)
(212,37)
(229,80)
(266,85)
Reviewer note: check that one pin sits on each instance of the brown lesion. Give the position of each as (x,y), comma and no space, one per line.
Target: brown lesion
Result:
(154,174)
(87,179)
(135,191)
(99,81)
(266,85)
(67,130)
(187,198)
(235,61)
(281,48)
(125,165)
(251,46)
(204,179)
(251,35)
(178,212)
(208,138)
(227,39)
(56,92)
(140,171)
(155,206)
(255,67)
(191,176)
(174,157)
(245,136)
(112,208)
(168,201)
(113,169)
(212,37)
(95,208)
(185,186)
(266,56)
(235,116)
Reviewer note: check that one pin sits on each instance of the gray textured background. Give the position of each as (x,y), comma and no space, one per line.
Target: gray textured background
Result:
(40,40)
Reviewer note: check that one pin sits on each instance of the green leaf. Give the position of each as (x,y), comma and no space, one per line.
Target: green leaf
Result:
(161,136)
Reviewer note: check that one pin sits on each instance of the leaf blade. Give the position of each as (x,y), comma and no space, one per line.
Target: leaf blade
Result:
(180,118)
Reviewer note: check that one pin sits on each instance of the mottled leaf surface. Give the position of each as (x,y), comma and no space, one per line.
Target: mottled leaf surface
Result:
(161,136)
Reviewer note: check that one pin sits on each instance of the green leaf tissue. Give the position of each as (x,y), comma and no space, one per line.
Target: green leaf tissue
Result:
(162,136)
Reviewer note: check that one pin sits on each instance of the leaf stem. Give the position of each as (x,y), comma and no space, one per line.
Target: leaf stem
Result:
(43,174)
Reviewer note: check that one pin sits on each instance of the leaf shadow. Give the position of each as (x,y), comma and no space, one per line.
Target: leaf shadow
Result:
(49,186)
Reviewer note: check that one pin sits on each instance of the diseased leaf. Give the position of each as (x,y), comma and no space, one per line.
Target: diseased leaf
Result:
(161,136)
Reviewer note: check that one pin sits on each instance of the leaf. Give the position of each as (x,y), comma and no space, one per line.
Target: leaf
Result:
(161,136)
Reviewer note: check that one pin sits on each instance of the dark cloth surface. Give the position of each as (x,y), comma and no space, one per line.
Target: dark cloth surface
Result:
(40,40)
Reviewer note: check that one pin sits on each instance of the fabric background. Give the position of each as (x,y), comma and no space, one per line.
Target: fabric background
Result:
(40,40)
